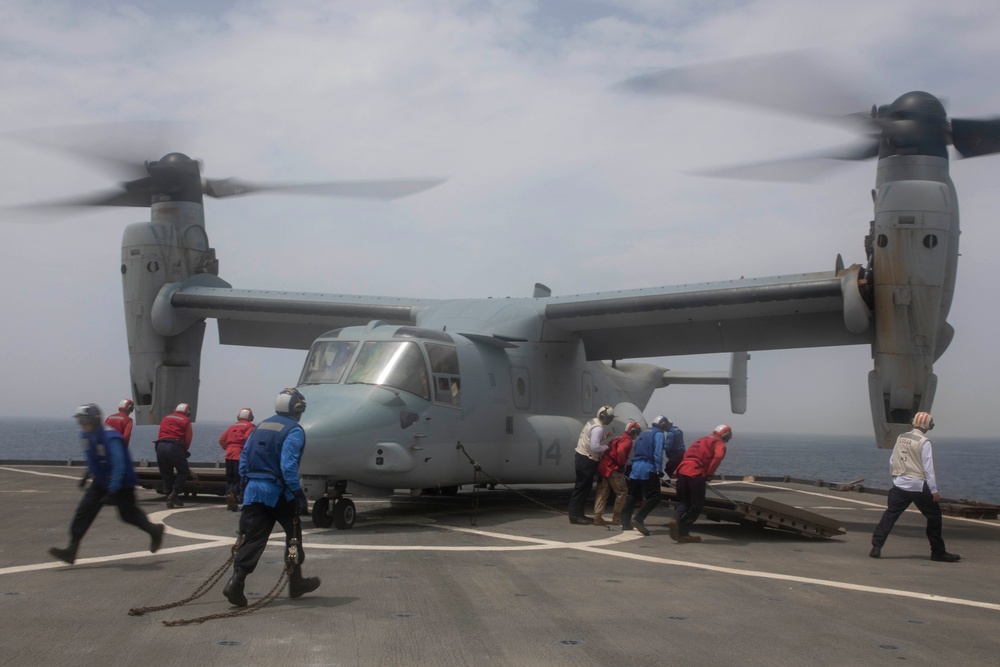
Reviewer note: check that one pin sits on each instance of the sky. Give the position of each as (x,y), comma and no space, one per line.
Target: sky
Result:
(553,175)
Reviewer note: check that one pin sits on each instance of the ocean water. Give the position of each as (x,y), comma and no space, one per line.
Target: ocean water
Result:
(966,467)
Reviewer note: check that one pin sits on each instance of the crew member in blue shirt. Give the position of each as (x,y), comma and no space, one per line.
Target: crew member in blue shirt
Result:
(110,466)
(269,470)
(648,454)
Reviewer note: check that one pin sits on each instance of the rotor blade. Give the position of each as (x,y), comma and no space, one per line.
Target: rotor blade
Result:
(802,169)
(973,138)
(792,82)
(121,149)
(385,190)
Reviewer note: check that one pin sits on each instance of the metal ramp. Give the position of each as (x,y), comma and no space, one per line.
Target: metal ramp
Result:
(765,513)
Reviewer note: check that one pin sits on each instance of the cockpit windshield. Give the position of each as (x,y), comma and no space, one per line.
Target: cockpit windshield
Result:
(327,361)
(391,364)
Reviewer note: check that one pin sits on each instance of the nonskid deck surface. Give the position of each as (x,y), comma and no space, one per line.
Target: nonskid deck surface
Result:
(415,582)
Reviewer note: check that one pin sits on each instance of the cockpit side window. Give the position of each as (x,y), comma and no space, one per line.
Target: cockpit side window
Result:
(327,361)
(444,369)
(391,364)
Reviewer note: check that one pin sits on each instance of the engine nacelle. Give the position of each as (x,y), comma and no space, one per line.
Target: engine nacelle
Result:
(915,258)
(173,246)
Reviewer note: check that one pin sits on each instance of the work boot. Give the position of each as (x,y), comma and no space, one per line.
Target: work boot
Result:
(68,554)
(599,521)
(299,585)
(616,520)
(231,502)
(641,527)
(689,539)
(876,552)
(156,537)
(945,557)
(674,530)
(173,500)
(234,588)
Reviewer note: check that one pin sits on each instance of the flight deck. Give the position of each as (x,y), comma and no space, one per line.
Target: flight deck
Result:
(499,577)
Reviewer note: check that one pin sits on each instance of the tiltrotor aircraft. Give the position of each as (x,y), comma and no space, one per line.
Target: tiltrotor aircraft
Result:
(402,393)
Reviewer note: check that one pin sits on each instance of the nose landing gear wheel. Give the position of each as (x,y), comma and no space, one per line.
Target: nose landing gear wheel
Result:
(319,514)
(344,513)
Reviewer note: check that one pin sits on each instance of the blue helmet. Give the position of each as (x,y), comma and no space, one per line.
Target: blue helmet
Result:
(290,403)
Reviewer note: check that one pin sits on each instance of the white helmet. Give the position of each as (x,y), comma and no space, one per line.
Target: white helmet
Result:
(245,414)
(724,432)
(126,406)
(184,409)
(661,423)
(88,415)
(290,403)
(923,421)
(606,414)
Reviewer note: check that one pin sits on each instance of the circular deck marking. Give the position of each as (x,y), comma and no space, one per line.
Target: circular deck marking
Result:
(604,546)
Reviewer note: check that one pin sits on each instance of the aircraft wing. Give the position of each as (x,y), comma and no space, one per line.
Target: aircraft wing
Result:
(264,318)
(802,310)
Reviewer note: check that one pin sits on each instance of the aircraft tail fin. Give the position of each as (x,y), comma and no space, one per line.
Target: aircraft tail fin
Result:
(736,378)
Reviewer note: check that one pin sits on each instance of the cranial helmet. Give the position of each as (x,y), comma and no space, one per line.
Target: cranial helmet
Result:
(246,414)
(923,421)
(184,409)
(724,432)
(88,414)
(290,403)
(606,414)
(634,429)
(661,423)
(126,406)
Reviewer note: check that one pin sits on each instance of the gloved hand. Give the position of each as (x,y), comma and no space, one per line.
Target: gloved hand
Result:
(110,499)
(301,503)
(83,480)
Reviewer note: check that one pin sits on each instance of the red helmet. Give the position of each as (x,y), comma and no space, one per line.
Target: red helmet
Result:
(184,409)
(245,414)
(724,432)
(126,406)
(634,429)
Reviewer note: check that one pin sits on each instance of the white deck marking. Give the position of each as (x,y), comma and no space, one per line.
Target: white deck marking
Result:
(599,546)
(43,474)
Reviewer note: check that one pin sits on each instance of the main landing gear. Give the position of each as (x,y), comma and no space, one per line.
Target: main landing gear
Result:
(336,511)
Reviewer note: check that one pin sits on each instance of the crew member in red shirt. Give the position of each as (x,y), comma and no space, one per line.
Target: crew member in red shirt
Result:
(700,462)
(172,445)
(232,440)
(121,421)
(611,473)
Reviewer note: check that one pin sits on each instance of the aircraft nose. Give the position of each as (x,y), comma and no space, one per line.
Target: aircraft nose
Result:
(357,434)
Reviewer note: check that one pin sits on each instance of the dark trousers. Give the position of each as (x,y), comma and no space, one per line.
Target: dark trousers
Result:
(647,490)
(171,455)
(233,477)
(256,523)
(586,470)
(90,505)
(897,503)
(690,502)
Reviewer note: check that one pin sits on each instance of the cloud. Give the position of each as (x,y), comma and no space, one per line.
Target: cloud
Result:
(549,172)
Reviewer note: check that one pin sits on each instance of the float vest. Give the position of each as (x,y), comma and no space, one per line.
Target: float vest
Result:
(235,437)
(121,423)
(645,446)
(583,444)
(263,449)
(906,459)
